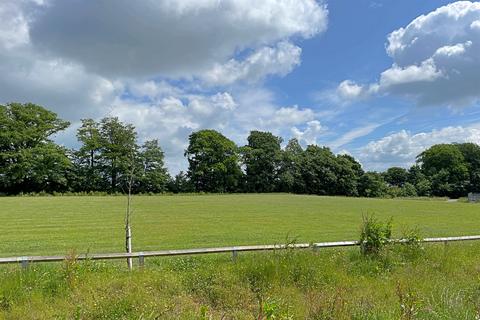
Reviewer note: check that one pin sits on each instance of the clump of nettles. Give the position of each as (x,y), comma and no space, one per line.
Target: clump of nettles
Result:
(374,235)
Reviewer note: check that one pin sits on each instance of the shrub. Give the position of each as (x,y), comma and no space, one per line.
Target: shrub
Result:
(408,190)
(411,246)
(374,235)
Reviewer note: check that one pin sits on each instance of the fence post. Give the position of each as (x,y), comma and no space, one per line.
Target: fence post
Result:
(24,263)
(234,255)
(141,260)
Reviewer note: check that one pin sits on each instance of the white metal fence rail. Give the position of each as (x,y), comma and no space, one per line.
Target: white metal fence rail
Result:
(25,260)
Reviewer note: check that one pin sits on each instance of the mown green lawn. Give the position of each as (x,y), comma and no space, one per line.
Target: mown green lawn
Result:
(57,225)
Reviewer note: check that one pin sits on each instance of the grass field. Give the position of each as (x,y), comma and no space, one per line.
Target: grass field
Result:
(401,282)
(57,225)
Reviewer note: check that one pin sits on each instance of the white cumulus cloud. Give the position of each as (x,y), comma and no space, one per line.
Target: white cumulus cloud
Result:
(436,58)
(278,60)
(171,117)
(310,134)
(401,148)
(171,38)
(169,67)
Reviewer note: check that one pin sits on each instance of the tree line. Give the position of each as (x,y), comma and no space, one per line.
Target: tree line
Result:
(110,154)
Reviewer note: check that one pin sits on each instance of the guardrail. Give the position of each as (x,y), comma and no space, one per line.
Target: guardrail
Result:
(25,260)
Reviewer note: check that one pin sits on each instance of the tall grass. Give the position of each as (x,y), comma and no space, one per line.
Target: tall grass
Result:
(438,282)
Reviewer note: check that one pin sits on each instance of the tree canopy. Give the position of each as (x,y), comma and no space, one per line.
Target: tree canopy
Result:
(262,161)
(109,152)
(445,166)
(29,160)
(214,164)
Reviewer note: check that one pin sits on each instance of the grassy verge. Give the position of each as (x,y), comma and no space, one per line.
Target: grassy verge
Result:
(436,282)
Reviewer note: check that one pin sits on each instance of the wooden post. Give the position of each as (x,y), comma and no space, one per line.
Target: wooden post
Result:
(234,255)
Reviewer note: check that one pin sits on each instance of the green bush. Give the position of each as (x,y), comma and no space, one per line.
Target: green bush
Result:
(411,245)
(374,235)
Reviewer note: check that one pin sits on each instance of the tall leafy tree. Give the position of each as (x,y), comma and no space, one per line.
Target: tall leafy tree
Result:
(289,175)
(348,172)
(87,160)
(319,170)
(371,185)
(119,151)
(213,162)
(396,176)
(262,158)
(153,176)
(416,178)
(471,155)
(180,183)
(89,135)
(29,160)
(445,166)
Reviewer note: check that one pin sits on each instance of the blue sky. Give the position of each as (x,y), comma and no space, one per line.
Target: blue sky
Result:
(381,80)
(354,48)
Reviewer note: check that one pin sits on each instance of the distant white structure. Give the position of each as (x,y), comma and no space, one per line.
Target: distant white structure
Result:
(473,197)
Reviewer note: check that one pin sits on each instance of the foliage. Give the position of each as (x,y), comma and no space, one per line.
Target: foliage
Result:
(408,190)
(29,160)
(180,184)
(261,157)
(471,155)
(289,174)
(372,185)
(152,175)
(411,246)
(318,170)
(87,160)
(396,176)
(374,235)
(349,173)
(109,153)
(213,162)
(118,149)
(445,166)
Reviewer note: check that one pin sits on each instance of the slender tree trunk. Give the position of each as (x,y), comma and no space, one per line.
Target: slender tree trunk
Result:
(128,232)
(128,235)
(128,227)
(114,179)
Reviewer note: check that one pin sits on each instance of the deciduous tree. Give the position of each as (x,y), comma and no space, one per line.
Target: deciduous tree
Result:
(118,148)
(262,156)
(372,185)
(445,166)
(29,159)
(396,176)
(213,162)
(152,176)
